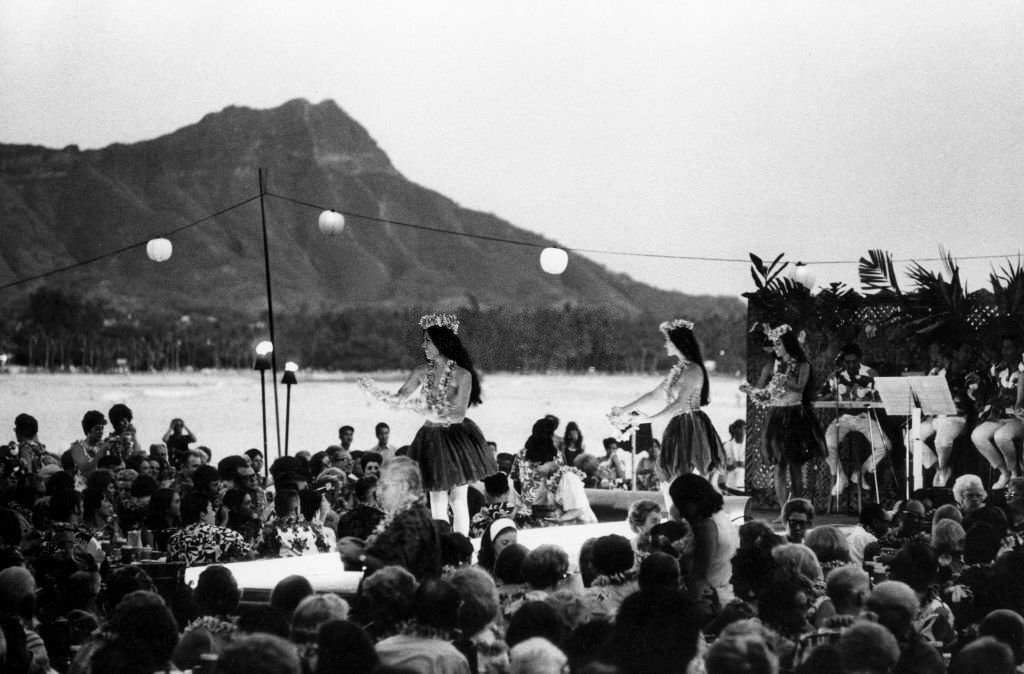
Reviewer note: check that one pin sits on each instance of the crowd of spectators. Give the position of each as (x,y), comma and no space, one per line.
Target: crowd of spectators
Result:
(93,541)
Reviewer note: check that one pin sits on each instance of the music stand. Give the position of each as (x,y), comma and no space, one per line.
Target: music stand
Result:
(914,396)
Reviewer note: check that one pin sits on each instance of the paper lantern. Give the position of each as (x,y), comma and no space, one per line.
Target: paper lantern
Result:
(331,223)
(554,260)
(802,274)
(264,348)
(159,250)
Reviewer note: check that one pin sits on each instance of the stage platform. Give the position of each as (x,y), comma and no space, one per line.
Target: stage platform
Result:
(326,573)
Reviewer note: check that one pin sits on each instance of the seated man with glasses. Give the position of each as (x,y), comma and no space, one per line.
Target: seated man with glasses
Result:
(798,514)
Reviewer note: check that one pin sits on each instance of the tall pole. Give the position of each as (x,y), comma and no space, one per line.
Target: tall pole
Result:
(263,406)
(287,415)
(270,313)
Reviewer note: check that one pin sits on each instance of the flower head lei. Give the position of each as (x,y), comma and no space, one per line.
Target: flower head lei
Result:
(450,321)
(669,326)
(775,334)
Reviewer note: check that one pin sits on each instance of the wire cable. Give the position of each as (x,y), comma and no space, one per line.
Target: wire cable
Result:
(130,246)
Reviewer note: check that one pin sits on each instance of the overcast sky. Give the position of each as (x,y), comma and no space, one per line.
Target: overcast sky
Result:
(709,129)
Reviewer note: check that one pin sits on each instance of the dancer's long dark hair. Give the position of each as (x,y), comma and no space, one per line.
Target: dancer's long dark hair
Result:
(685,341)
(796,352)
(450,346)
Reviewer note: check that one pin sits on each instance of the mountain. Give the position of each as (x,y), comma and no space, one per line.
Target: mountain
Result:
(59,207)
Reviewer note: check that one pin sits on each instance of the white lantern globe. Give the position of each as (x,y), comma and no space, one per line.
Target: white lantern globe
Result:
(291,366)
(159,250)
(264,348)
(331,223)
(554,260)
(803,275)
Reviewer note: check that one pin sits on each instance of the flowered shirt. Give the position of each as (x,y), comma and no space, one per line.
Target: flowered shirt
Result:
(1002,389)
(294,537)
(199,544)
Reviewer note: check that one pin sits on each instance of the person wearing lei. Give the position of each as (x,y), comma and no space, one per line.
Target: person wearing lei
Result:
(689,443)
(407,536)
(450,449)
(792,434)
(553,491)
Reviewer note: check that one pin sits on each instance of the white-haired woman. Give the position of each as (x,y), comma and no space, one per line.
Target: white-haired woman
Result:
(406,536)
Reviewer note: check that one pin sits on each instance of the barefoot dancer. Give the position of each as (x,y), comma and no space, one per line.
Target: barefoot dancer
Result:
(450,449)
(690,442)
(792,434)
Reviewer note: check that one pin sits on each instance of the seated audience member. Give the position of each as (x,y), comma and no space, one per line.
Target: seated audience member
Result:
(868,648)
(915,565)
(971,496)
(163,517)
(343,646)
(537,656)
(543,569)
(912,525)
(499,535)
(1008,627)
(654,633)
(658,572)
(753,565)
(740,655)
(386,601)
(798,516)
(829,546)
(361,520)
(18,604)
(216,597)
(478,613)
(242,517)
(409,537)
(784,607)
(289,593)
(535,619)
(259,654)
(139,637)
(616,578)
(308,616)
(1014,539)
(895,604)
(643,515)
(201,541)
(847,588)
(290,534)
(425,644)
(947,543)
(873,523)
(986,655)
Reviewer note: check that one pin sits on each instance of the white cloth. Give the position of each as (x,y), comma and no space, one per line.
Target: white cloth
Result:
(720,569)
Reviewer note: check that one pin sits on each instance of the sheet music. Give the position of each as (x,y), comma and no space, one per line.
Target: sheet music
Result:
(933,395)
(896,394)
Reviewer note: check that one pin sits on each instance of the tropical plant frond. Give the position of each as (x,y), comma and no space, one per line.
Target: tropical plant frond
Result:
(878,274)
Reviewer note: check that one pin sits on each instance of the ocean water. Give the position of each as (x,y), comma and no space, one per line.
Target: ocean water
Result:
(223,409)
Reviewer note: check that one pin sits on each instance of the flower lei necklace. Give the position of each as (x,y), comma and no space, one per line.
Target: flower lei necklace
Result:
(436,397)
(775,391)
(387,520)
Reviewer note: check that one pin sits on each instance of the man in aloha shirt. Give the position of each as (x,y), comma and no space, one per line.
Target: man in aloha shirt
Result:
(201,541)
(25,454)
(289,534)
